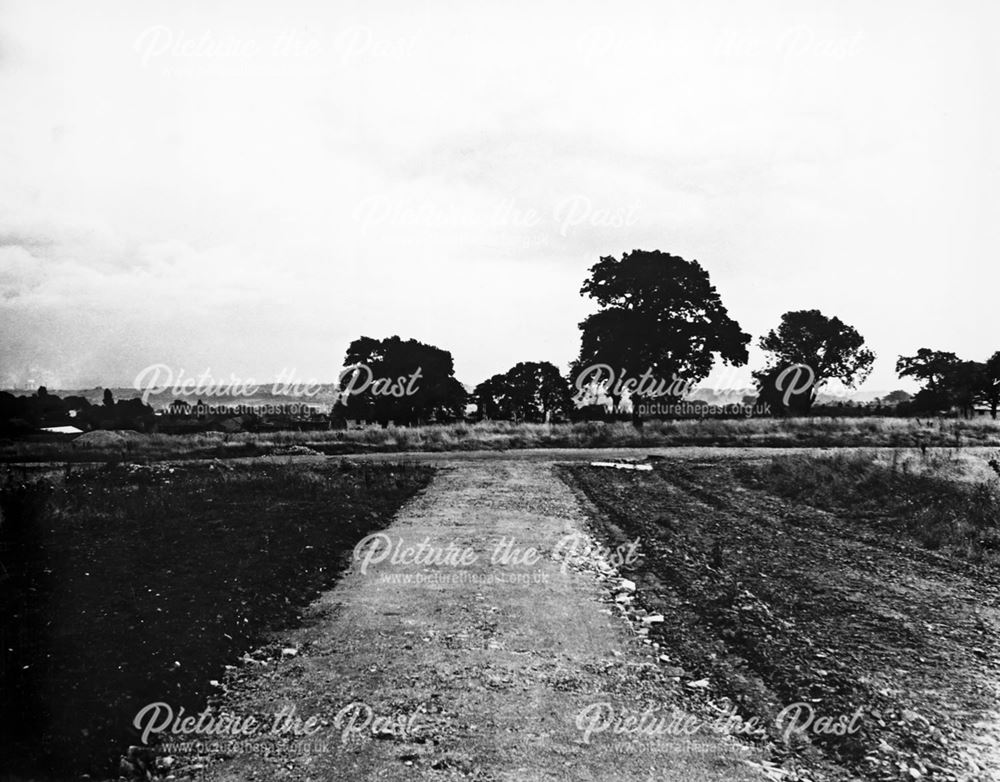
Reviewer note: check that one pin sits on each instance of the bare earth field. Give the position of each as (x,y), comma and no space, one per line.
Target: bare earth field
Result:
(125,585)
(776,602)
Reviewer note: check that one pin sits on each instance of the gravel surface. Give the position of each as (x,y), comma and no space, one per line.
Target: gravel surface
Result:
(476,671)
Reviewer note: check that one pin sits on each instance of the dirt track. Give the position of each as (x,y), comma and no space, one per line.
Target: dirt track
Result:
(492,675)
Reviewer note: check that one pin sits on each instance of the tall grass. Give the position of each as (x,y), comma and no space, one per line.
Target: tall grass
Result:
(924,503)
(501,435)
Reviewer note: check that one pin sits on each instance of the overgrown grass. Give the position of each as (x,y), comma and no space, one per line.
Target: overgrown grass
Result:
(502,435)
(122,586)
(924,502)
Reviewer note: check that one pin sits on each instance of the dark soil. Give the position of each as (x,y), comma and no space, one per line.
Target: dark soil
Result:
(776,601)
(128,585)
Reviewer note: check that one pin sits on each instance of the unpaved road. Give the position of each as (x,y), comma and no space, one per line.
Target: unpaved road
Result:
(483,667)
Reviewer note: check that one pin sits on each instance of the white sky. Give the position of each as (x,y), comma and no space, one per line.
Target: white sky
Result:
(175,189)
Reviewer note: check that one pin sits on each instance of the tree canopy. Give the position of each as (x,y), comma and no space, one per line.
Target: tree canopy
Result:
(659,313)
(528,391)
(930,367)
(831,349)
(951,382)
(404,381)
(991,383)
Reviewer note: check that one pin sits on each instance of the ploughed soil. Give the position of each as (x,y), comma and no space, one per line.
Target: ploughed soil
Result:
(775,602)
(128,585)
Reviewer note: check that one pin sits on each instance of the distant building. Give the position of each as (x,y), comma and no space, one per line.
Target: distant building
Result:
(61,430)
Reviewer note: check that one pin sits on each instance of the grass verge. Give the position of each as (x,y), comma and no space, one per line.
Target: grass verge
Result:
(505,435)
(961,518)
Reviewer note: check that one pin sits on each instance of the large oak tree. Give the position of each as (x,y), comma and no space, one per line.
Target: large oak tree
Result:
(659,314)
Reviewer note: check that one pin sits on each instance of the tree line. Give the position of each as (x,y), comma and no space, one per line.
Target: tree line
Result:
(659,315)
(21,415)
(659,320)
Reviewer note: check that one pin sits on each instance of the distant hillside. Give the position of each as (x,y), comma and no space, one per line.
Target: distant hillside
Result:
(263,396)
(729,396)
